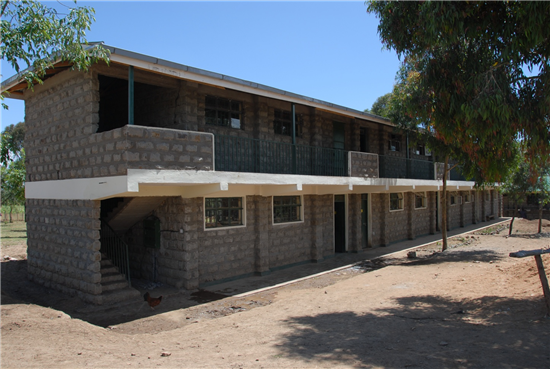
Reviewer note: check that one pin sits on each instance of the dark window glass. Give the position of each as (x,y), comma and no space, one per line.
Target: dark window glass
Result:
(223,212)
(282,124)
(223,112)
(286,209)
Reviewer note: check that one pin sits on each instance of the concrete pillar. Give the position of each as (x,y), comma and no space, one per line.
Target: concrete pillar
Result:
(432,203)
(384,229)
(317,228)
(409,208)
(354,222)
(261,244)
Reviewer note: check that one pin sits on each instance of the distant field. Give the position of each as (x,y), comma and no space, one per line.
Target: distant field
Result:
(17,213)
(13,233)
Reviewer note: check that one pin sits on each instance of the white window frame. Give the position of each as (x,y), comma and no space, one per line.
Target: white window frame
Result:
(401,202)
(457,199)
(291,222)
(424,200)
(243,214)
(467,197)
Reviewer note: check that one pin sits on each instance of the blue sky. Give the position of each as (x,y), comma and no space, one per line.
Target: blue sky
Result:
(326,50)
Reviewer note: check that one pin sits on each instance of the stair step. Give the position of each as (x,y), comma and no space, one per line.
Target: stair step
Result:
(112,277)
(114,285)
(121,295)
(109,270)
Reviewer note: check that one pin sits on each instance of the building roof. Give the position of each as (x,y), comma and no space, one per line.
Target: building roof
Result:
(16,86)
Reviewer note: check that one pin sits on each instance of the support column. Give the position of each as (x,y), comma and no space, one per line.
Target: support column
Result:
(409,208)
(317,231)
(131,95)
(384,229)
(432,203)
(261,243)
(354,220)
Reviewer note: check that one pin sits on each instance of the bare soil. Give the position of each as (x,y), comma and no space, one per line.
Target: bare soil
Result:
(471,306)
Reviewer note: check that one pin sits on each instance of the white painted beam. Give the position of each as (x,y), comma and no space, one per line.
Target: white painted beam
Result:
(274,190)
(327,190)
(188,192)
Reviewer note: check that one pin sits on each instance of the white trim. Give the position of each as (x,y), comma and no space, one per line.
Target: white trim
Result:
(222,228)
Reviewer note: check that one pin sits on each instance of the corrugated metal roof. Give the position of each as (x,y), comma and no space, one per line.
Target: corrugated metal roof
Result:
(127,57)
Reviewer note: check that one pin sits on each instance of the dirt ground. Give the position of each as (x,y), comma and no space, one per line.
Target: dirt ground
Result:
(472,306)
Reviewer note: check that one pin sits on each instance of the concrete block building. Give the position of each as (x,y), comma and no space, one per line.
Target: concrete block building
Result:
(149,169)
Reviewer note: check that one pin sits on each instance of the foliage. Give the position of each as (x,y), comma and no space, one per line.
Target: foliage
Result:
(12,143)
(35,36)
(12,169)
(380,106)
(483,74)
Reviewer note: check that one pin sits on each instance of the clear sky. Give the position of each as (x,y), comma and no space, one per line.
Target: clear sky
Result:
(326,50)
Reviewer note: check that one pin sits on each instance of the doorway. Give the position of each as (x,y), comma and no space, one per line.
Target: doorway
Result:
(339,223)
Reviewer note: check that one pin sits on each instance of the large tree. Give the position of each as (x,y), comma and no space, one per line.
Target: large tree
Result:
(12,166)
(484,72)
(35,36)
(380,106)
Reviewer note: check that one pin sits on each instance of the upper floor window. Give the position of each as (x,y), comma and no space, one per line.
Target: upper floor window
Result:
(223,112)
(396,201)
(394,144)
(282,124)
(420,200)
(223,212)
(287,209)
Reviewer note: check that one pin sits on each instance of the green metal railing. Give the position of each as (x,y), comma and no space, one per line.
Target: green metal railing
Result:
(395,167)
(115,249)
(239,154)
(456,174)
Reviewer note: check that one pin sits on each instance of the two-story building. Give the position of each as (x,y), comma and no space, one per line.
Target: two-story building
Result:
(188,177)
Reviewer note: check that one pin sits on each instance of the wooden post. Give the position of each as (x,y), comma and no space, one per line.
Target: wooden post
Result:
(542,273)
(544,282)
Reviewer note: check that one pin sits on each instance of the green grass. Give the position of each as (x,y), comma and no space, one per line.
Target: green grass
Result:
(16,209)
(13,233)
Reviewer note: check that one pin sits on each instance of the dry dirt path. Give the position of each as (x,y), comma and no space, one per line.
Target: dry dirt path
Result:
(470,307)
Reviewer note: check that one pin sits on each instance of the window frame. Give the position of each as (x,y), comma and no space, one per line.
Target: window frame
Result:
(281,120)
(396,140)
(218,110)
(467,197)
(300,210)
(230,208)
(424,197)
(455,199)
(400,199)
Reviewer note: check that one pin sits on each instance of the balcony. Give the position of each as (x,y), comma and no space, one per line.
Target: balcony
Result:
(239,154)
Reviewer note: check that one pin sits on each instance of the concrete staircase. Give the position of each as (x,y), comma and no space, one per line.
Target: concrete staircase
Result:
(114,284)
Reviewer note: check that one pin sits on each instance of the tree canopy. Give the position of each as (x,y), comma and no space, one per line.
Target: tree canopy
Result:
(12,168)
(35,36)
(481,74)
(380,106)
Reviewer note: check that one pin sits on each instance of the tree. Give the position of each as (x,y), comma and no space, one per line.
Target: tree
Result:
(517,185)
(380,106)
(35,36)
(485,71)
(12,169)
(411,109)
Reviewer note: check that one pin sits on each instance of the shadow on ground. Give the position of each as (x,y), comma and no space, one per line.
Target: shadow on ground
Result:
(426,332)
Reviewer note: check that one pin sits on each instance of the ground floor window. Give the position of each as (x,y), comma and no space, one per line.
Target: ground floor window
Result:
(396,201)
(287,209)
(467,197)
(420,200)
(455,199)
(223,212)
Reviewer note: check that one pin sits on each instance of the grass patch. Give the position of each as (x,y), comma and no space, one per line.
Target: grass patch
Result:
(13,233)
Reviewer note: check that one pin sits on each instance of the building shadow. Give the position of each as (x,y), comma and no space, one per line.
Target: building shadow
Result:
(425,331)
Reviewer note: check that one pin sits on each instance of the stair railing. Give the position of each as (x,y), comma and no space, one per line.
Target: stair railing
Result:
(115,249)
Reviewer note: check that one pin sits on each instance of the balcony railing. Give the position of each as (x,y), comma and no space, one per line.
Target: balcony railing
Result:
(395,167)
(239,154)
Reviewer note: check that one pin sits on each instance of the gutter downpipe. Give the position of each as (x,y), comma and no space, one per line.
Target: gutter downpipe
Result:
(293,113)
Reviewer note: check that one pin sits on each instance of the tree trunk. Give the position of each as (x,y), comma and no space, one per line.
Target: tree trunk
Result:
(540,217)
(444,206)
(11,218)
(513,217)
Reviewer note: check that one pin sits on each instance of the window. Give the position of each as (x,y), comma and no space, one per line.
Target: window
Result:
(223,212)
(455,199)
(396,201)
(394,143)
(223,112)
(287,209)
(467,197)
(420,150)
(363,140)
(282,124)
(420,200)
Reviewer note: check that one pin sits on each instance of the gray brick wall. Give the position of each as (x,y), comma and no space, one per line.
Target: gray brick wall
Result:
(363,165)
(63,246)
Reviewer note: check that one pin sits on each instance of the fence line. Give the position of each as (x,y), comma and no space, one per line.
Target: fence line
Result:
(16,217)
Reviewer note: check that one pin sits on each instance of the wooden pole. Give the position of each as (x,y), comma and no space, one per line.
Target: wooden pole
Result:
(544,282)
